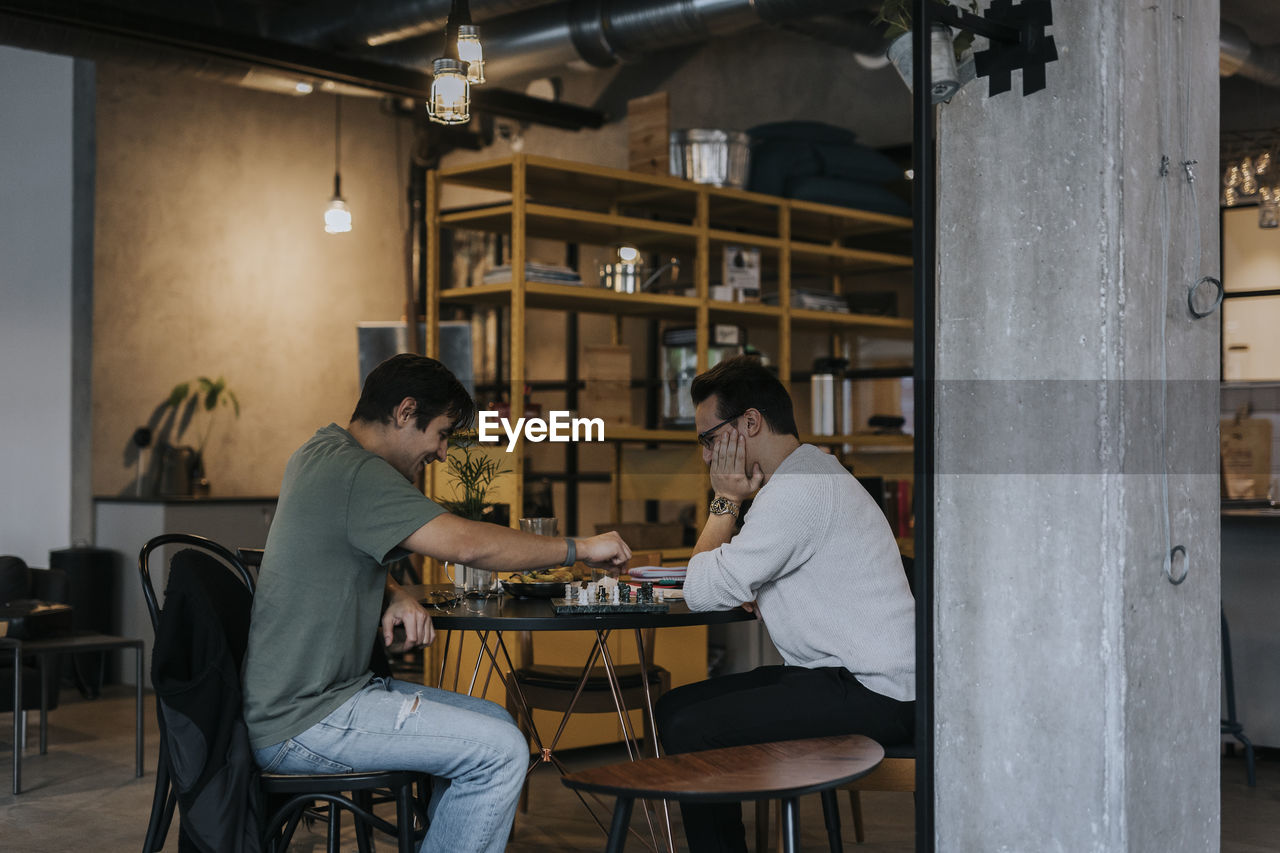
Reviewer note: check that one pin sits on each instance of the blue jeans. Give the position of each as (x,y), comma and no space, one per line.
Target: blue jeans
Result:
(475,753)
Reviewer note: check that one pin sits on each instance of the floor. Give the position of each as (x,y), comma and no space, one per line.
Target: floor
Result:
(83,795)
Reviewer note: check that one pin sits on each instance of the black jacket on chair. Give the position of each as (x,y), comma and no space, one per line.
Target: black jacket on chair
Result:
(195,670)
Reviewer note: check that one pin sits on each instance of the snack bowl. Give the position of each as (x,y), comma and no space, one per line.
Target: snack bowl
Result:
(540,589)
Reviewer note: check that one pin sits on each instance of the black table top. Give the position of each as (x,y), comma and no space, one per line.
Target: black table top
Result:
(506,613)
(85,642)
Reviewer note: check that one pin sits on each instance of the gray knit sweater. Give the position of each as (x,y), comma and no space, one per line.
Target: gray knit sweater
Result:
(817,556)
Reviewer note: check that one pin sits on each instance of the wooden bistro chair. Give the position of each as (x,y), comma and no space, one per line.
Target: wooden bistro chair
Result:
(783,770)
(288,796)
(550,687)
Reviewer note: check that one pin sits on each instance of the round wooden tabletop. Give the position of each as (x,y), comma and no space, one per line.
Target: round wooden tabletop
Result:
(777,770)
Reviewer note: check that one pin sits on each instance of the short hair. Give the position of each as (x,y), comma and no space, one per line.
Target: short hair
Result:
(742,383)
(436,391)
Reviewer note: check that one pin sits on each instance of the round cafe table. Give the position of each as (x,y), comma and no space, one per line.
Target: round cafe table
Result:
(490,618)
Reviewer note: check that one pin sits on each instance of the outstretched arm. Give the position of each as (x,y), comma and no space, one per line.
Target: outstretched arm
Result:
(491,546)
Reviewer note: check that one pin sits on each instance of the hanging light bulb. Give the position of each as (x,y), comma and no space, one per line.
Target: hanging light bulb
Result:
(450,101)
(337,216)
(450,92)
(471,52)
(1248,179)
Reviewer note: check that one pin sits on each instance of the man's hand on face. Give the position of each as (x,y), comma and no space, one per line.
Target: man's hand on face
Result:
(729,477)
(408,613)
(606,549)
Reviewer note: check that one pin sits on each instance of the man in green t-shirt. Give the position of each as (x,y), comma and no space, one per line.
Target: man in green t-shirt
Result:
(348,507)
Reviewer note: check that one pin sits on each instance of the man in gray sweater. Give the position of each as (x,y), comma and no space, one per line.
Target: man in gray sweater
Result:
(816,560)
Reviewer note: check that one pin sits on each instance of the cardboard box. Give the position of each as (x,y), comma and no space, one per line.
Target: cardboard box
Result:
(1246,458)
(606,372)
(648,132)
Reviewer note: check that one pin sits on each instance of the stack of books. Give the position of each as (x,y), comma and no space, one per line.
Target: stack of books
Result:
(545,273)
(658,573)
(815,300)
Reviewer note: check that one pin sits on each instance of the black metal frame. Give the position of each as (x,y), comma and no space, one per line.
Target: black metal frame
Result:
(924,252)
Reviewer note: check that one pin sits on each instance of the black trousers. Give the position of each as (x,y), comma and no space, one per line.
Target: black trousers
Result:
(768,704)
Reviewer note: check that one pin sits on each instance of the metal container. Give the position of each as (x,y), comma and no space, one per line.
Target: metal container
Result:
(622,277)
(707,156)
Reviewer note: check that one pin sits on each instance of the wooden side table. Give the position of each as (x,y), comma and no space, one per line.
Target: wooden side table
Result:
(41,649)
(782,770)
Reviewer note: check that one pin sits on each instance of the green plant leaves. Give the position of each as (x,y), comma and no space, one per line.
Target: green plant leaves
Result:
(474,472)
(203,393)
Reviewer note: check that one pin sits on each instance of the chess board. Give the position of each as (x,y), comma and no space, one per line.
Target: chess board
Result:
(570,607)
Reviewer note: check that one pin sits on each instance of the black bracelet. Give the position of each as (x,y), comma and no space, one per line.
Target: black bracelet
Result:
(572,556)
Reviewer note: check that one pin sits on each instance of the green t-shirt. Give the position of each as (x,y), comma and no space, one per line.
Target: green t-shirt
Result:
(342,513)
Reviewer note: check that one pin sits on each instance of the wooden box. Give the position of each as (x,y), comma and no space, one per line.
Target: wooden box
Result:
(606,372)
(648,134)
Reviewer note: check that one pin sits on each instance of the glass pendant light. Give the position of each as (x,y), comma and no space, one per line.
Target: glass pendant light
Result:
(471,52)
(453,73)
(450,92)
(337,216)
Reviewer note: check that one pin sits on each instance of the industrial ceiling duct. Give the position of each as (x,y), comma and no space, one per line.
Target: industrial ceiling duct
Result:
(1239,56)
(602,33)
(377,23)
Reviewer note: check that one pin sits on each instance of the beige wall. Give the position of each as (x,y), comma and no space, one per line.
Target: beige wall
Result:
(211,258)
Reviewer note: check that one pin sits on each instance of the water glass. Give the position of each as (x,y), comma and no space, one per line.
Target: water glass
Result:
(540,526)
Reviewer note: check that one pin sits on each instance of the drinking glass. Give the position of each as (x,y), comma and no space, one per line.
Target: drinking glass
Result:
(540,526)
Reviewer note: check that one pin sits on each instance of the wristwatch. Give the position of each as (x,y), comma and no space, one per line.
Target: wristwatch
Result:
(723,506)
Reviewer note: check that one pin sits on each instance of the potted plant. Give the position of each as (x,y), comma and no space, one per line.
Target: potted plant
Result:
(473,472)
(945,51)
(182,471)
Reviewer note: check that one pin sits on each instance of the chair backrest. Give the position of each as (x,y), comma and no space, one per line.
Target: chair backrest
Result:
(231,561)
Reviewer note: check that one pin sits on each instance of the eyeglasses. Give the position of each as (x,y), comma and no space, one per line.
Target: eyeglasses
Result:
(706,439)
(440,600)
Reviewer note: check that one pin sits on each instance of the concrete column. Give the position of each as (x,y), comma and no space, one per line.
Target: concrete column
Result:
(1076,686)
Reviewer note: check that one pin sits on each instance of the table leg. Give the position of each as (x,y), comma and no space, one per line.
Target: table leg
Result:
(43,663)
(790,821)
(475,671)
(831,816)
(444,658)
(628,733)
(137,712)
(642,655)
(18,733)
(611,676)
(621,822)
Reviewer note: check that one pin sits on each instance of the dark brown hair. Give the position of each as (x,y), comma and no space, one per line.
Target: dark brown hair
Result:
(431,385)
(742,383)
